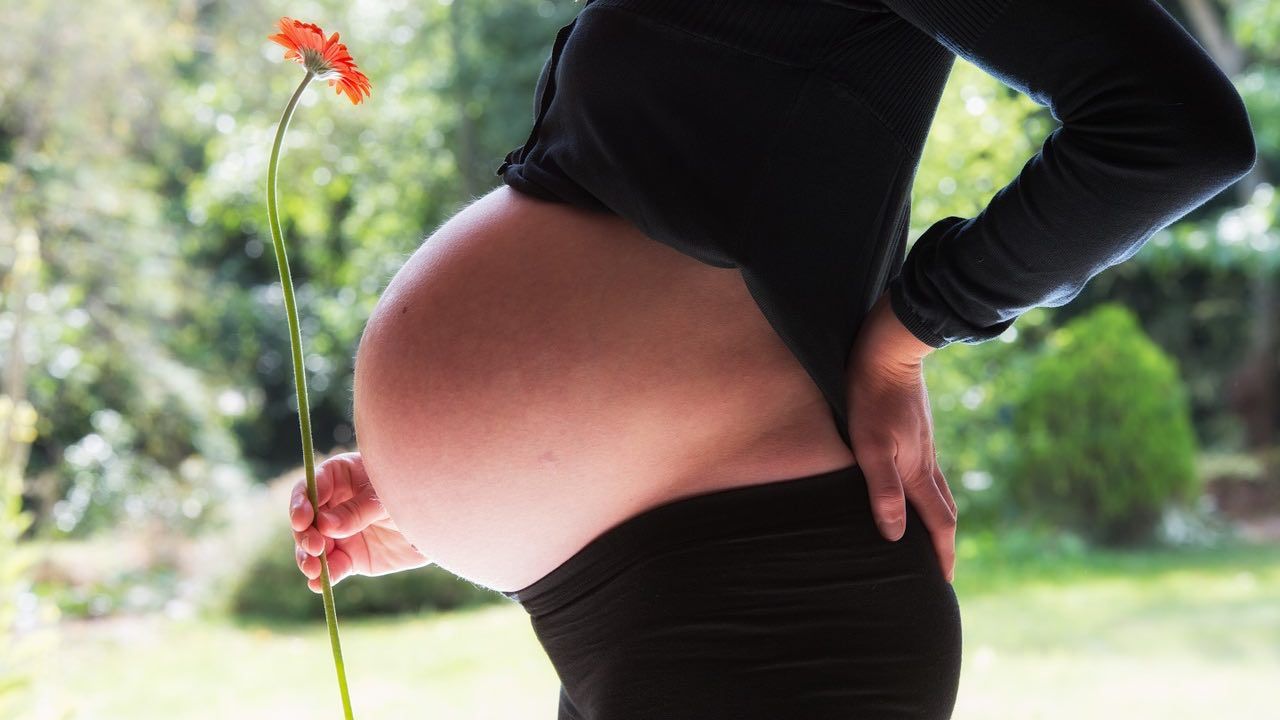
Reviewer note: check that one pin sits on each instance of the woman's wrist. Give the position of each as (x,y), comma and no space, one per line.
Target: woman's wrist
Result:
(892,340)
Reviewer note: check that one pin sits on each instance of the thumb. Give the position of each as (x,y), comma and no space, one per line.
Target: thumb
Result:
(352,516)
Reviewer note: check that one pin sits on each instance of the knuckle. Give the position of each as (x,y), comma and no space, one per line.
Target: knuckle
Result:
(889,496)
(891,514)
(919,478)
(891,503)
(314,539)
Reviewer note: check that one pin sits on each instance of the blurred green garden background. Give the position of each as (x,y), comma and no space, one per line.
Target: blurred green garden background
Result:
(1116,460)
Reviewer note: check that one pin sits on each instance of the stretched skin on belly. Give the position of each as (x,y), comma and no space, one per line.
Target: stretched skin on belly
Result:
(535,373)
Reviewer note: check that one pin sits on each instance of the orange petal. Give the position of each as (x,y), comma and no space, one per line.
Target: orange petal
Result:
(297,36)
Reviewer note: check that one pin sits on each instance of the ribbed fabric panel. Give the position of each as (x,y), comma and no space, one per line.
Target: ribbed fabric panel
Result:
(958,25)
(790,31)
(899,72)
(885,58)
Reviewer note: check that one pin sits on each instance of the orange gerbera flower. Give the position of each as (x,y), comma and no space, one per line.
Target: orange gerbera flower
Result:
(326,59)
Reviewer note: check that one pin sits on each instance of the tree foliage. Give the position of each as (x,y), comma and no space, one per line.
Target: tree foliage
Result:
(139,155)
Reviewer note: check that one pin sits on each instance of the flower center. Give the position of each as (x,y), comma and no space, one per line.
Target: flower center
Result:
(318,65)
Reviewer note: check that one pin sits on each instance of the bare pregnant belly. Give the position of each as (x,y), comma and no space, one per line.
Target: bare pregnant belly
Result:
(536,374)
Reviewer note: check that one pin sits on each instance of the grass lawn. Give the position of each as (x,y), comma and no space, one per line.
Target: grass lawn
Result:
(1117,635)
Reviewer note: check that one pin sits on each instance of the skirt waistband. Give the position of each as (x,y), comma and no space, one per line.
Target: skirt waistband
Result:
(834,496)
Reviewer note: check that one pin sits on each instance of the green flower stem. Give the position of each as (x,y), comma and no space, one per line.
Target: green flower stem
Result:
(300,383)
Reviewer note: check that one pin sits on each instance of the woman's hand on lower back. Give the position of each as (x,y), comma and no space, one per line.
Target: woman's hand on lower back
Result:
(892,431)
(353,527)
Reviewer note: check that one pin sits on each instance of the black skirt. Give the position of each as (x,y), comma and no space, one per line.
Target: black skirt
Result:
(776,600)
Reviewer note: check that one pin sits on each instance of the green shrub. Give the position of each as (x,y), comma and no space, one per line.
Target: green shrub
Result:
(1103,428)
(272,587)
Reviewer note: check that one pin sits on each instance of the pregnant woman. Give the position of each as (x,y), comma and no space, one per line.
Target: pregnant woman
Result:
(663,386)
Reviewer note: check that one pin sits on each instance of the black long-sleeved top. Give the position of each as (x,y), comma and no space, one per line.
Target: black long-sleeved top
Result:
(781,137)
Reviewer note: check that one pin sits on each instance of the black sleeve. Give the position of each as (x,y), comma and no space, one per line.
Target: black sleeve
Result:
(1150,129)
